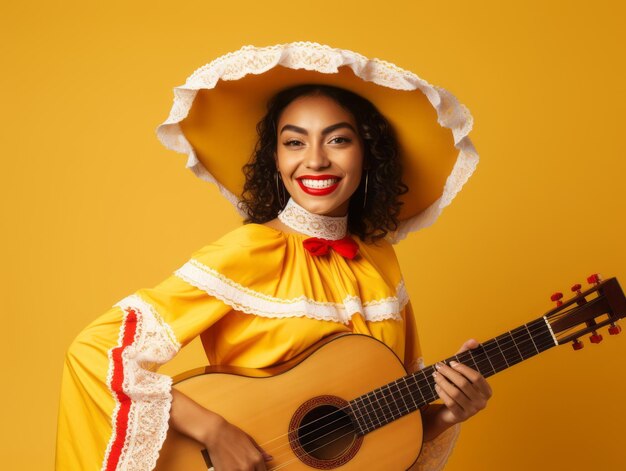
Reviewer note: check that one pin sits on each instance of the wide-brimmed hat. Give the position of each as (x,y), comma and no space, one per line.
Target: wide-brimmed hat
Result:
(214,116)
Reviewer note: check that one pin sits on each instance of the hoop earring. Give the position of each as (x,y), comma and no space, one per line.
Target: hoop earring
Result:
(365,193)
(281,201)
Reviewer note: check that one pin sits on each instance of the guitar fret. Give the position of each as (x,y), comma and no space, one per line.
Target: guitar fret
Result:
(391,406)
(431,383)
(491,355)
(547,338)
(482,359)
(531,338)
(543,336)
(423,372)
(511,353)
(395,397)
(398,399)
(389,416)
(382,405)
(374,410)
(516,347)
(357,420)
(501,351)
(417,387)
(409,393)
(545,341)
(371,412)
(379,411)
(524,341)
(404,393)
(366,414)
(391,402)
(471,355)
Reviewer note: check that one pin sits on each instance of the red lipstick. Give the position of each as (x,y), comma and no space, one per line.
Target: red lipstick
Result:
(318,191)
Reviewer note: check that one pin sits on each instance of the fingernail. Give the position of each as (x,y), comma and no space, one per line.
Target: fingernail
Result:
(435,374)
(438,365)
(454,363)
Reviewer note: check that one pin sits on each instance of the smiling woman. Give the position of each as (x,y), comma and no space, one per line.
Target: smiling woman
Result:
(335,154)
(320,156)
(324,199)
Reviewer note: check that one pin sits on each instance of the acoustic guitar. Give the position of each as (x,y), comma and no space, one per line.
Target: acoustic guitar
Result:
(349,403)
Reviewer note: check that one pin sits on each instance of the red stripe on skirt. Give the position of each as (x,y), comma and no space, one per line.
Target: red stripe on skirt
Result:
(117,382)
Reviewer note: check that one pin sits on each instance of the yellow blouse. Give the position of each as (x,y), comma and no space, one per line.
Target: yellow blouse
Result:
(256,297)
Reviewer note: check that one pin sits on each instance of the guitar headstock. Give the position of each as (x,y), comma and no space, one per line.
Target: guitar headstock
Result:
(602,304)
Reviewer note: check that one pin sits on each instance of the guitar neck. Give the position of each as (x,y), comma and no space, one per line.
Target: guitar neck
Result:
(409,393)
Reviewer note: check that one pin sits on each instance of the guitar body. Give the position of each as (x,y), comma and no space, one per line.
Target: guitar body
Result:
(299,396)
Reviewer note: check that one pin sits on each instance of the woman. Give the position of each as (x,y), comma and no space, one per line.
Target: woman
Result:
(326,166)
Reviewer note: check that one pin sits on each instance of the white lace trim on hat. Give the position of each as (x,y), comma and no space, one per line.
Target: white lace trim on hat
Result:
(314,225)
(312,56)
(142,396)
(253,302)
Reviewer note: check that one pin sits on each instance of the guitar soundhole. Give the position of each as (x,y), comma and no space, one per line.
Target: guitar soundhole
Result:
(322,433)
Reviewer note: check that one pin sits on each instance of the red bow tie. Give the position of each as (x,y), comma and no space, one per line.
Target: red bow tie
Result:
(345,247)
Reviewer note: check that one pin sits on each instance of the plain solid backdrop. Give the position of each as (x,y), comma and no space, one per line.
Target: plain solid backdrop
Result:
(93,207)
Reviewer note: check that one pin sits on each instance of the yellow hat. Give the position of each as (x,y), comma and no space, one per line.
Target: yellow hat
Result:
(214,116)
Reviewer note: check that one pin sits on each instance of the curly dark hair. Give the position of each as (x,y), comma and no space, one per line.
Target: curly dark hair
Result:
(381,160)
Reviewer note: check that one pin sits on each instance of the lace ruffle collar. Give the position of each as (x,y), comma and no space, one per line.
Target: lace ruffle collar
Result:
(311,224)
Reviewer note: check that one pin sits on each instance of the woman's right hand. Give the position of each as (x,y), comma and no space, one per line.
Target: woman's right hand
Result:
(232,449)
(229,447)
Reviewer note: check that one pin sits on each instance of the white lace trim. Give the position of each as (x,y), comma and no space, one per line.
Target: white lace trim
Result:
(312,56)
(314,225)
(253,302)
(153,344)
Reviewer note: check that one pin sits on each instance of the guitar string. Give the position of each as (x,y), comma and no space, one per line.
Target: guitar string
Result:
(425,379)
(293,460)
(543,345)
(282,465)
(506,345)
(393,416)
(400,389)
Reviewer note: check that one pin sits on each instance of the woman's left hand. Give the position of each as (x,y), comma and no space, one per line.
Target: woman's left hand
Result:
(464,391)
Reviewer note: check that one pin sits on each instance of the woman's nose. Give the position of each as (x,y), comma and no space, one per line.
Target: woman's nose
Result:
(316,157)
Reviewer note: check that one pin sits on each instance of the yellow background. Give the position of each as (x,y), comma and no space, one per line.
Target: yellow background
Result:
(93,207)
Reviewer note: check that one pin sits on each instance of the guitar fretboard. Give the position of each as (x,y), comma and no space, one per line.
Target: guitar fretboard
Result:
(409,393)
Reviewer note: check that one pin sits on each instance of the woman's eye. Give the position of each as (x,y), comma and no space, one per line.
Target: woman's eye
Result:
(339,140)
(293,143)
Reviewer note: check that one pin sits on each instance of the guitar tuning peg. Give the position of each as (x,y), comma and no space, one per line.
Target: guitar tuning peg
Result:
(576,289)
(615,329)
(594,279)
(577,345)
(595,337)
(557,297)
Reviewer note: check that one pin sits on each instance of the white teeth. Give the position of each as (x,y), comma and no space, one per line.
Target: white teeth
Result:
(317,184)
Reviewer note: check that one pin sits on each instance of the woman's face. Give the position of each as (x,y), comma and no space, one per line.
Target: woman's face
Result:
(319,154)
